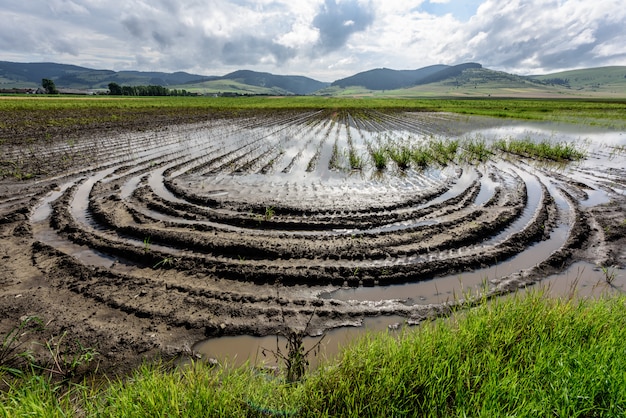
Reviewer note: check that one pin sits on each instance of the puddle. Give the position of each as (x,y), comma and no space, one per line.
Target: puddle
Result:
(237,350)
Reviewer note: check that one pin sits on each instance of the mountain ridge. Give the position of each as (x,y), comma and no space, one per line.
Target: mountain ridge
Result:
(467,78)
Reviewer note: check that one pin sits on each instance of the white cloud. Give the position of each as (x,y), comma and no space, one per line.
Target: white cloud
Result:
(326,39)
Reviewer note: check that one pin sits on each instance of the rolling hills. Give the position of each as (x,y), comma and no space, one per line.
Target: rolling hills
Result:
(464,80)
(29,75)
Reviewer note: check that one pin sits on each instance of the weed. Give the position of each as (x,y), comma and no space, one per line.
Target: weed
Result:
(296,357)
(66,358)
(269,213)
(12,351)
(545,150)
(356,161)
(165,262)
(444,152)
(422,157)
(333,163)
(146,245)
(476,150)
(609,274)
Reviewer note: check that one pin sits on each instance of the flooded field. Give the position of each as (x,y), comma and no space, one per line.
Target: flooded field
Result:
(252,226)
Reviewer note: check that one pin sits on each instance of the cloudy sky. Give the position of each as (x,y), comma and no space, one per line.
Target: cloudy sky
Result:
(323,39)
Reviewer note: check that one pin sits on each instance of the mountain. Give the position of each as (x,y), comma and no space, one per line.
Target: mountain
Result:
(468,79)
(72,76)
(447,73)
(387,79)
(14,74)
(472,80)
(289,83)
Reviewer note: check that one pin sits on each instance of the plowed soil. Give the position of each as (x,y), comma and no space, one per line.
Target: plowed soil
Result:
(140,242)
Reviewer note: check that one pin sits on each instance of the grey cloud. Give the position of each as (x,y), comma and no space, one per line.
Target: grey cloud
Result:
(50,40)
(250,50)
(336,22)
(134,26)
(163,35)
(583,55)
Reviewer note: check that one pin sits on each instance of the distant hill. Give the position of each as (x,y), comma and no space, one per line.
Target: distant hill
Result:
(472,80)
(24,75)
(601,79)
(387,79)
(75,77)
(290,83)
(468,79)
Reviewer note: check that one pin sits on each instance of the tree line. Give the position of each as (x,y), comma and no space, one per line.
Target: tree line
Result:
(117,90)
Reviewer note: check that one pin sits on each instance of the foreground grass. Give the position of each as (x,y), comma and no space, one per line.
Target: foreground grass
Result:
(522,356)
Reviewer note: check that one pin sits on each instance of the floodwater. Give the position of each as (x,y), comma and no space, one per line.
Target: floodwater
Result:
(581,279)
(216,177)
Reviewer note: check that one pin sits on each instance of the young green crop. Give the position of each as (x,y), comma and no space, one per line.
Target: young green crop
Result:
(379,157)
(543,150)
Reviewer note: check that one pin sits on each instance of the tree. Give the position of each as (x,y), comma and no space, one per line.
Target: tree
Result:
(115,89)
(48,86)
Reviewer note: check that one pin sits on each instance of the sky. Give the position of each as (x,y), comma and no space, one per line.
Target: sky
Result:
(322,39)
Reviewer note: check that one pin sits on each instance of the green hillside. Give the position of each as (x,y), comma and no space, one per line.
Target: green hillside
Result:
(483,82)
(611,80)
(29,75)
(471,82)
(464,80)
(229,86)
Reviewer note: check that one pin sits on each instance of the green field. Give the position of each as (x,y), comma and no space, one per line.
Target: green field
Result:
(533,109)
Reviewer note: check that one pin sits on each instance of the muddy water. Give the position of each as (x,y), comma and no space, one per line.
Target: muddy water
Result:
(238,350)
(203,190)
(582,278)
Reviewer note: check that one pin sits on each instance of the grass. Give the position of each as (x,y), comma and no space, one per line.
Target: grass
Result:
(401,155)
(476,150)
(545,149)
(443,151)
(526,355)
(379,157)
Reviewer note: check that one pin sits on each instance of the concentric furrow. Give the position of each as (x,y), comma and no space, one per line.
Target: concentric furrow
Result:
(200,202)
(232,223)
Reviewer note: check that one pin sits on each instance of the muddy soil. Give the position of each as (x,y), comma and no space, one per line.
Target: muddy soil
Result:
(141,242)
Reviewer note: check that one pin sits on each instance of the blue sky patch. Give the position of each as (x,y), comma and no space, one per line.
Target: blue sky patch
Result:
(461,9)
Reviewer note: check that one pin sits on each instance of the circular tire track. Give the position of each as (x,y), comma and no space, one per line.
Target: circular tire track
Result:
(239,225)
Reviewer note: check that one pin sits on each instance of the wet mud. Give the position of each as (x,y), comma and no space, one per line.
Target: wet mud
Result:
(146,242)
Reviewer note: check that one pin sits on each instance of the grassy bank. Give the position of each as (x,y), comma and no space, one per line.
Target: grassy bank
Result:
(522,356)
